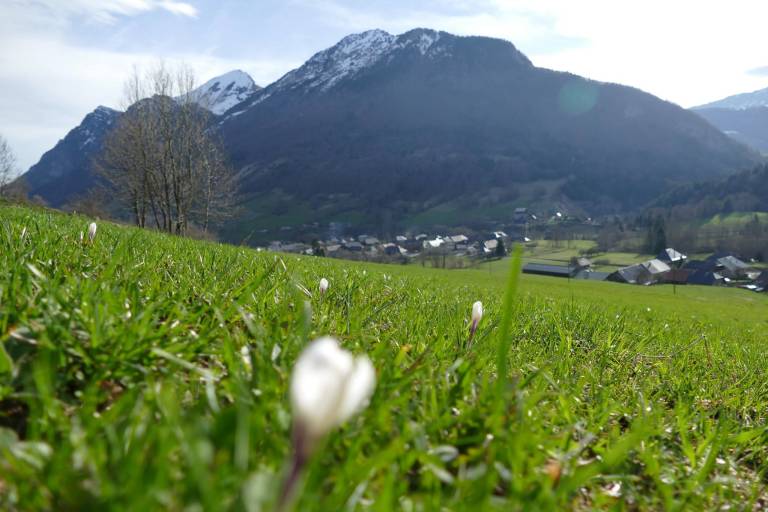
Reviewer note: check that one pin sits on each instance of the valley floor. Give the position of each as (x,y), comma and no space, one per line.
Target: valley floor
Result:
(123,385)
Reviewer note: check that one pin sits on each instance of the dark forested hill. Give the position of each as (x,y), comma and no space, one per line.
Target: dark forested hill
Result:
(748,126)
(745,191)
(406,122)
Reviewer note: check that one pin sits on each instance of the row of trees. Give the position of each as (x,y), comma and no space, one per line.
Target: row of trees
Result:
(162,160)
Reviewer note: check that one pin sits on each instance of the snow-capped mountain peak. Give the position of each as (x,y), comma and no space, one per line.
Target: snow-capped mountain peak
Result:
(355,53)
(223,92)
(740,101)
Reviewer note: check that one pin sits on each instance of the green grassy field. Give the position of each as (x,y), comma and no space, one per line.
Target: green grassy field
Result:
(735,219)
(561,253)
(122,385)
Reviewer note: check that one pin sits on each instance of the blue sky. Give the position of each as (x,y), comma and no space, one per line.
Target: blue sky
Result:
(59,59)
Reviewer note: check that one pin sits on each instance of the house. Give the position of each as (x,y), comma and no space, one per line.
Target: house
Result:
(733,267)
(633,274)
(490,246)
(457,239)
(762,281)
(295,248)
(520,215)
(694,265)
(677,276)
(705,278)
(421,236)
(412,245)
(391,249)
(583,262)
(353,246)
(670,255)
(400,239)
(548,270)
(436,245)
(591,275)
(656,268)
(371,240)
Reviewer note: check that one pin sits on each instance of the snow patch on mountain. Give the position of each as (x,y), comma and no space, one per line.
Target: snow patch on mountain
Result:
(226,91)
(740,101)
(95,125)
(353,54)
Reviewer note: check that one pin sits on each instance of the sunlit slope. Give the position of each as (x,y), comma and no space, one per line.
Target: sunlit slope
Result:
(124,387)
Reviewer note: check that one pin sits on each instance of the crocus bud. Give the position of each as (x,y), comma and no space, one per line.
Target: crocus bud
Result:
(92,231)
(323,285)
(477,312)
(328,386)
(477,315)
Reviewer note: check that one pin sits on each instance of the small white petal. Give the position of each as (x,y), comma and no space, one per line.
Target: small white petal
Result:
(323,285)
(359,388)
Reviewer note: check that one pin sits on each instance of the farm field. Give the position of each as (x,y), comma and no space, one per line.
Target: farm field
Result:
(124,383)
(547,252)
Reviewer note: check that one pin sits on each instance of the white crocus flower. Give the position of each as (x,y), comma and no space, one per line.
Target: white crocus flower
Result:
(477,315)
(328,386)
(91,231)
(323,285)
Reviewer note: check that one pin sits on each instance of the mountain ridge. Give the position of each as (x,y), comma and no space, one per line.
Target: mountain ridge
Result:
(408,124)
(383,129)
(743,117)
(758,98)
(66,171)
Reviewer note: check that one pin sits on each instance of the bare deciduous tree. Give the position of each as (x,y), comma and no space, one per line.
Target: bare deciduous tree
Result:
(162,159)
(7,166)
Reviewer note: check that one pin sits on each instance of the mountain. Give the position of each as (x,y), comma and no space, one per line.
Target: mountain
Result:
(428,127)
(226,91)
(65,171)
(745,191)
(743,117)
(748,125)
(740,101)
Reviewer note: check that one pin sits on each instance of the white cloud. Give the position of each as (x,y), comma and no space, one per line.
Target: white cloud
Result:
(49,83)
(179,8)
(103,11)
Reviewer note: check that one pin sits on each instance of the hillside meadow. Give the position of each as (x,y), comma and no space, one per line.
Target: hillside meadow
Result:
(124,384)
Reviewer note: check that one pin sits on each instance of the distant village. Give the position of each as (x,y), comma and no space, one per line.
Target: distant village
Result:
(669,267)
(460,250)
(423,247)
